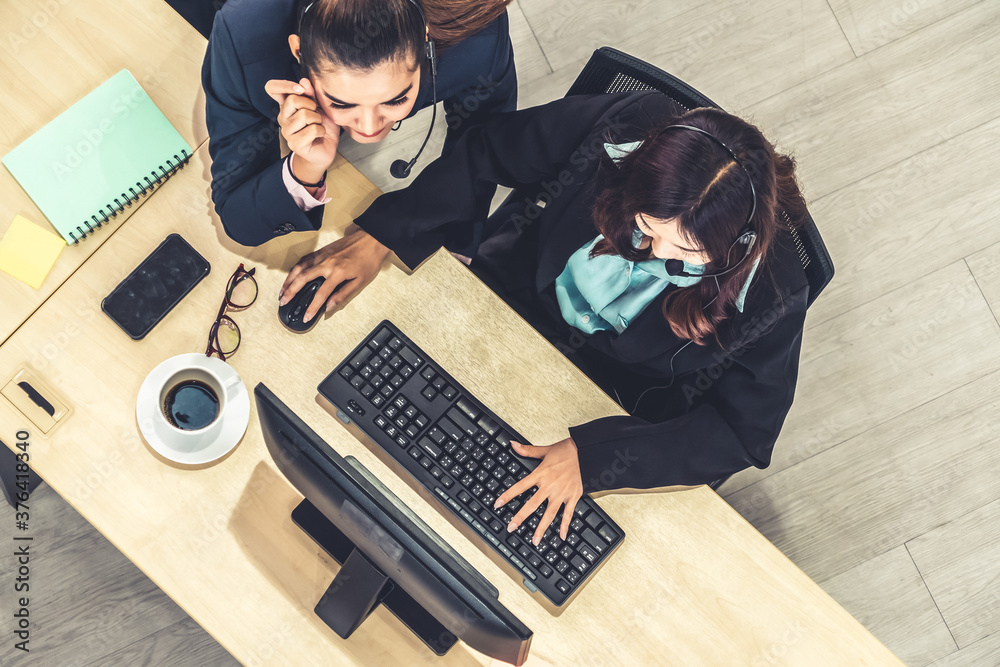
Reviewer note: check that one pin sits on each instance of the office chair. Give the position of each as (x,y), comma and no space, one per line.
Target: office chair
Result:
(611,71)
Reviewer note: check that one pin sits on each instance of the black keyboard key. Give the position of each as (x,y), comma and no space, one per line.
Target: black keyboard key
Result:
(381,337)
(595,541)
(411,412)
(410,356)
(406,372)
(467,409)
(367,390)
(439,383)
(588,553)
(422,420)
(561,566)
(573,576)
(593,520)
(575,524)
(366,371)
(395,343)
(381,421)
(551,556)
(447,481)
(573,539)
(466,480)
(563,587)
(545,570)
(378,400)
(345,372)
(429,446)
(449,392)
(464,496)
(412,430)
(449,427)
(566,551)
(387,390)
(608,533)
(357,381)
(456,470)
(359,359)
(462,422)
(429,393)
(428,373)
(579,563)
(485,515)
(488,425)
(402,441)
(496,526)
(377,381)
(415,453)
(426,463)
(503,439)
(400,402)
(437,473)
(513,541)
(534,560)
(376,362)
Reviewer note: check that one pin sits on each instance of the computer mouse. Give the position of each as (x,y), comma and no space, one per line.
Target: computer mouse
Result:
(291,313)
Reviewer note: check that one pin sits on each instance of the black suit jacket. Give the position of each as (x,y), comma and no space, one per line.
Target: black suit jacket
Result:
(726,402)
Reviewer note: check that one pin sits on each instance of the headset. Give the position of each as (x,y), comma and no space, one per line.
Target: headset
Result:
(401,168)
(675,267)
(747,235)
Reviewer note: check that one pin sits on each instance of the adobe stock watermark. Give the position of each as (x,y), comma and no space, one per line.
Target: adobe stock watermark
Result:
(33,25)
(89,139)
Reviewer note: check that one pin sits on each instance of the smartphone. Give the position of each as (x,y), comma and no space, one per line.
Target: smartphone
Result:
(158,284)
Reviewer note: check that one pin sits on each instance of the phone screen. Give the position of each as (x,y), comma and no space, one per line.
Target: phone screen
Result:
(158,284)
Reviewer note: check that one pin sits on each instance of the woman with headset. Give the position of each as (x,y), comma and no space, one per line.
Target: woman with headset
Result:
(655,256)
(314,71)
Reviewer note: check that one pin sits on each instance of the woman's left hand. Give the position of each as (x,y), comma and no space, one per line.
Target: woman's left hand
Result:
(558,480)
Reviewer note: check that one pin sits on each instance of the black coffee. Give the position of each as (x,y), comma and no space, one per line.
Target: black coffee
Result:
(191,405)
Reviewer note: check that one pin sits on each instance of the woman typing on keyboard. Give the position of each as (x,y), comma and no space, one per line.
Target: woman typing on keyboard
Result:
(654,255)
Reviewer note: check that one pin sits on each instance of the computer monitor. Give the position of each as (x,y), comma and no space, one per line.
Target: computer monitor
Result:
(388,555)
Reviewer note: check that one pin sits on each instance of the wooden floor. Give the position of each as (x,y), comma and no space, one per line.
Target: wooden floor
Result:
(885,483)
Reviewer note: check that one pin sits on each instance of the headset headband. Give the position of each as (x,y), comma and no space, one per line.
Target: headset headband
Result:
(753,190)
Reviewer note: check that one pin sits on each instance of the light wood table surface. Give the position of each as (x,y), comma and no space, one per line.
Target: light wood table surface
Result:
(56,52)
(692,584)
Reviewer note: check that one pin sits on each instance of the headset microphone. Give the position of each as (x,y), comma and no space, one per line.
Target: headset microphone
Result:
(401,168)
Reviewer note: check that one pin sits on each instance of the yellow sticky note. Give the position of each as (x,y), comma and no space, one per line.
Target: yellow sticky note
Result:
(28,251)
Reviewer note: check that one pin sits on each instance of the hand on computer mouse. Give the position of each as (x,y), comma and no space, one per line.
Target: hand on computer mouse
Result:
(348,264)
(558,479)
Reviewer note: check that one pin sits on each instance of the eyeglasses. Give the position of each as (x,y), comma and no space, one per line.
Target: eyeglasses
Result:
(241,292)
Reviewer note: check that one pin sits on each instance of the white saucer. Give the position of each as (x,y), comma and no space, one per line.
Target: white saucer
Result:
(181,447)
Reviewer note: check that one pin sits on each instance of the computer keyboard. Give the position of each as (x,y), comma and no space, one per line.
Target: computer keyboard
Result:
(460,451)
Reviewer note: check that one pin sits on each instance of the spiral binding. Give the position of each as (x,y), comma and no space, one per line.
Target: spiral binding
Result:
(110,210)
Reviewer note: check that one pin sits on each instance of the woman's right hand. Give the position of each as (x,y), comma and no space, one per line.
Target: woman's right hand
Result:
(308,132)
(347,264)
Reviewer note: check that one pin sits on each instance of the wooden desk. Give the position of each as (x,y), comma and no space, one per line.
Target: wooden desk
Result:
(702,587)
(55,53)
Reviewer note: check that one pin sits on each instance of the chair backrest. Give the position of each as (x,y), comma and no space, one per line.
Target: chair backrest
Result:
(611,71)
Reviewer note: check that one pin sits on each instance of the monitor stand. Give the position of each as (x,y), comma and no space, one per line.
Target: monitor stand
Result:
(360,586)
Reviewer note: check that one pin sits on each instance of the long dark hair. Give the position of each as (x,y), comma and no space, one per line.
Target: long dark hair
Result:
(361,34)
(680,173)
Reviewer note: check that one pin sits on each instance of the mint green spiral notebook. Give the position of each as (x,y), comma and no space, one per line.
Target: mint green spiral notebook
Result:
(98,158)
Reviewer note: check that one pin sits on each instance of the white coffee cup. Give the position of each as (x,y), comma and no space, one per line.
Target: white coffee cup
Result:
(174,372)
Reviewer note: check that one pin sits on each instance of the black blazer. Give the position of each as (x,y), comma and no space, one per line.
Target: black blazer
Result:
(726,402)
(247,48)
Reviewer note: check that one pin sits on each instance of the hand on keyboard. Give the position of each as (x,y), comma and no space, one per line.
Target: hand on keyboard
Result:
(558,481)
